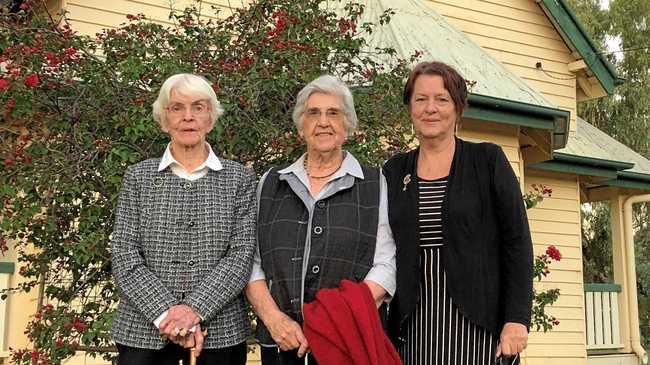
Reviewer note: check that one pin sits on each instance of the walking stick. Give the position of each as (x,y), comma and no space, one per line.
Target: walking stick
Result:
(192,356)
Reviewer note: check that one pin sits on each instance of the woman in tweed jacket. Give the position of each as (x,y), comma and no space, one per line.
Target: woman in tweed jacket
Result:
(183,241)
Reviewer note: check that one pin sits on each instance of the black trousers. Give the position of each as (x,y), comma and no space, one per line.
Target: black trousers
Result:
(271,356)
(173,353)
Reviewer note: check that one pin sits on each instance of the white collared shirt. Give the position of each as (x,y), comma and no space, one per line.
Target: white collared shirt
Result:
(211,163)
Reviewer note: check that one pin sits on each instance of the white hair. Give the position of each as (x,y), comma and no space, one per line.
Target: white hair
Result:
(330,85)
(188,85)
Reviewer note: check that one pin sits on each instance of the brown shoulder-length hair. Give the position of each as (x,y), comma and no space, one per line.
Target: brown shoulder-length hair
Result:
(453,81)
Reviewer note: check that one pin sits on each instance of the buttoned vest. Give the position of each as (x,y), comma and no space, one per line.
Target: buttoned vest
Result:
(343,235)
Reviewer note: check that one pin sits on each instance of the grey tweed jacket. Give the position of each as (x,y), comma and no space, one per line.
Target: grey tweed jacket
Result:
(179,241)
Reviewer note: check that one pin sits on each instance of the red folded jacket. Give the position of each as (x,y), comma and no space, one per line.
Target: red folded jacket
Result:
(342,327)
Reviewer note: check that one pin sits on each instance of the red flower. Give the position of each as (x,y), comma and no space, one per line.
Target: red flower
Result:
(280,24)
(24,6)
(347,25)
(79,325)
(245,62)
(34,355)
(51,58)
(11,103)
(32,80)
(554,253)
(4,84)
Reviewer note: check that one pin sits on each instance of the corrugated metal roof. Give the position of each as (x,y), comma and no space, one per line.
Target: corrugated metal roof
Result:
(589,141)
(417,27)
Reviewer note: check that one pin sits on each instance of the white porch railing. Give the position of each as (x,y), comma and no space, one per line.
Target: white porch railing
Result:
(601,313)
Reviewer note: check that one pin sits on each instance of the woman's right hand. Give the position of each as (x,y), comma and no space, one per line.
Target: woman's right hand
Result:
(287,333)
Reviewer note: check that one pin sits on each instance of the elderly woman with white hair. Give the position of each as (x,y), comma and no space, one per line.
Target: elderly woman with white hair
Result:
(183,241)
(321,219)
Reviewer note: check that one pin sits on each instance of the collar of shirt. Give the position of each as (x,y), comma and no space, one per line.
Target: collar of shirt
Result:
(168,160)
(349,166)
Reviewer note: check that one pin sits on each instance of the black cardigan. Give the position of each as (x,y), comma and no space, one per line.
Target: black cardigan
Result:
(487,254)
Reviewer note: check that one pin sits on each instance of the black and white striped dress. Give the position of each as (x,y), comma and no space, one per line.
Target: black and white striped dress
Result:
(437,333)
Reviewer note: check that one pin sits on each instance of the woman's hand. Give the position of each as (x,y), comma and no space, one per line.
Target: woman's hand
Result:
(514,339)
(179,320)
(287,333)
(378,293)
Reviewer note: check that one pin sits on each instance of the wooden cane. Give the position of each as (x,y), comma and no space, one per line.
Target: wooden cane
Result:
(192,356)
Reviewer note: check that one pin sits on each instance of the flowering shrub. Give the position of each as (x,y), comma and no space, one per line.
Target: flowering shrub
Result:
(540,320)
(72,118)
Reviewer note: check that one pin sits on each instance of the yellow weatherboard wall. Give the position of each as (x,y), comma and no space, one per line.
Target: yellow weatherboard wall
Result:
(518,34)
(556,221)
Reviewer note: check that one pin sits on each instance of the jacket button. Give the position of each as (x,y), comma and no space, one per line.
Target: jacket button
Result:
(321,204)
(191,224)
(190,263)
(187,186)
(318,230)
(315,269)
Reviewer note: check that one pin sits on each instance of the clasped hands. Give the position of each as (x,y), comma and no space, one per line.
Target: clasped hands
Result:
(177,327)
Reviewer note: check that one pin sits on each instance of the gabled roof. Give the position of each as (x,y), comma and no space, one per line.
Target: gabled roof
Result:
(496,93)
(577,38)
(592,152)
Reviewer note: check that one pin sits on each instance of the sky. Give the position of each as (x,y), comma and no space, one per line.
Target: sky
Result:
(613,43)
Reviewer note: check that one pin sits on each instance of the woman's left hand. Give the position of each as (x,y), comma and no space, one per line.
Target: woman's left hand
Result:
(378,293)
(514,339)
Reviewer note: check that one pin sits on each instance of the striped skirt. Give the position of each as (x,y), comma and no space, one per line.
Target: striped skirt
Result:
(437,333)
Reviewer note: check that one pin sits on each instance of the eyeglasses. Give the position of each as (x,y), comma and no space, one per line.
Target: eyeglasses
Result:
(196,109)
(332,114)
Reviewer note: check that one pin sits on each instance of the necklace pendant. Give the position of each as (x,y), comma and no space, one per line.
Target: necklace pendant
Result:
(406,181)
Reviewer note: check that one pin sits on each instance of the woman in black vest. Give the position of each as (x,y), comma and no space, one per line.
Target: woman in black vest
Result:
(460,226)
(321,219)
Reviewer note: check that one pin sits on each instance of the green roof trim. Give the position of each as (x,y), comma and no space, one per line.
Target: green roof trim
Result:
(574,168)
(590,161)
(483,107)
(564,17)
(628,184)
(7,267)
(483,113)
(517,107)
(630,175)
(607,287)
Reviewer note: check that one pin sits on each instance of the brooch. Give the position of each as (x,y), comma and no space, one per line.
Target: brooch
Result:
(406,181)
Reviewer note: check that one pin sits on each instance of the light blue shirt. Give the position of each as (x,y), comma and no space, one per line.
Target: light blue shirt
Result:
(384,268)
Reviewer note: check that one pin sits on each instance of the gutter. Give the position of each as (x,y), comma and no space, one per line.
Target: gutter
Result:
(517,107)
(591,161)
(633,306)
(550,118)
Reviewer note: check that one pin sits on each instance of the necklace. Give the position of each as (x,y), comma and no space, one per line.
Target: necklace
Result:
(304,164)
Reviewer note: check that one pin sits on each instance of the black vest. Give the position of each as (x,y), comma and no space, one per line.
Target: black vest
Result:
(343,240)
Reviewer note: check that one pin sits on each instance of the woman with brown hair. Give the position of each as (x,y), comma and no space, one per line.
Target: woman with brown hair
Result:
(460,227)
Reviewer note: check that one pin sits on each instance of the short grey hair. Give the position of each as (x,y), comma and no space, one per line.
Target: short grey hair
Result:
(189,85)
(327,84)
